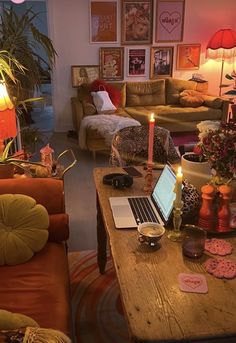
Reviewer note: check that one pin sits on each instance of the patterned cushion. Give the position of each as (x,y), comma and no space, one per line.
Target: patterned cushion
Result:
(23,228)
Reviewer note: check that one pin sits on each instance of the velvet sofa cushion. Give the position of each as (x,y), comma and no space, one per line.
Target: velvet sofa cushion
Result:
(191,98)
(173,114)
(46,191)
(9,320)
(85,97)
(89,108)
(175,86)
(147,93)
(39,288)
(213,101)
(23,228)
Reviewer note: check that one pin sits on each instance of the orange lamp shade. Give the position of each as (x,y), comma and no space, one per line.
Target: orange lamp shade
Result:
(222,44)
(7,115)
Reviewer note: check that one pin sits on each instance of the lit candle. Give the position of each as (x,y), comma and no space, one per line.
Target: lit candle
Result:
(178,187)
(151,138)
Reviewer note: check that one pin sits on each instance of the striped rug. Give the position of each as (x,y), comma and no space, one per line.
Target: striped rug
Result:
(96,304)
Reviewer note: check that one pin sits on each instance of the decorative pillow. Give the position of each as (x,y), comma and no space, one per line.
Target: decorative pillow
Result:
(191,98)
(102,101)
(114,93)
(89,108)
(212,101)
(9,320)
(23,228)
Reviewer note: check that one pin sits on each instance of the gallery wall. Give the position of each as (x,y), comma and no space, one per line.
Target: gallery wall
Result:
(69,30)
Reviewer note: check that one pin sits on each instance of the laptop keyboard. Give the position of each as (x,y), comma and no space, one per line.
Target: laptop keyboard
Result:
(142,210)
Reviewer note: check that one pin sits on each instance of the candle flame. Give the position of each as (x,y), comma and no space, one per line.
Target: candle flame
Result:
(152,117)
(179,171)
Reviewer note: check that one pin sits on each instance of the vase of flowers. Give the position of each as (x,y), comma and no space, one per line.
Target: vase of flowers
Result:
(217,143)
(196,169)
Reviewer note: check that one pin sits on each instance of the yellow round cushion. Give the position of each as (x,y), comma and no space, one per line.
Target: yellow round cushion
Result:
(191,98)
(23,228)
(10,320)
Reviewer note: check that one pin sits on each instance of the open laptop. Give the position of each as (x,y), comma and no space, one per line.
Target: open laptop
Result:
(129,211)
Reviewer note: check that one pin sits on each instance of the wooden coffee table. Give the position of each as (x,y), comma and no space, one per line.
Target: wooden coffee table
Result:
(155,308)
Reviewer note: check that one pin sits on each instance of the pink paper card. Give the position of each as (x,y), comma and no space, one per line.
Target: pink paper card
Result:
(194,283)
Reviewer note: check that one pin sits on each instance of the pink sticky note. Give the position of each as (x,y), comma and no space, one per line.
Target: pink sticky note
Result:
(194,283)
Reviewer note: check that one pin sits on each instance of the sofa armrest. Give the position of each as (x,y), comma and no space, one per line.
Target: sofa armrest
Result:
(218,103)
(58,227)
(77,112)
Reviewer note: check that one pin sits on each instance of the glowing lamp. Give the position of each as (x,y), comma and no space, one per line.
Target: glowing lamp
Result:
(7,116)
(18,1)
(222,45)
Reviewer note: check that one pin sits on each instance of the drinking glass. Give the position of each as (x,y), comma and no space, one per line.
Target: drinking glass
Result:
(193,243)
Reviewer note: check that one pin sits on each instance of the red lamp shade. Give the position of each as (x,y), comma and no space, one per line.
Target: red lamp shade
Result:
(7,115)
(222,44)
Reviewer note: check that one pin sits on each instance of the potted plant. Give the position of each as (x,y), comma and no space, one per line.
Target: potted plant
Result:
(8,162)
(21,38)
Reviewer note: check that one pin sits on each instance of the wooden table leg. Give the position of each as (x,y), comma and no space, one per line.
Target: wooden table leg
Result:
(101,240)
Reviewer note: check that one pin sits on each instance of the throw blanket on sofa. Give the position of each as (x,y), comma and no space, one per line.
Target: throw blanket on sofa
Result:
(106,124)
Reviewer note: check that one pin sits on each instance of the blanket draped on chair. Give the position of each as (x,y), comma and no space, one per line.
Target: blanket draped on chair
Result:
(106,124)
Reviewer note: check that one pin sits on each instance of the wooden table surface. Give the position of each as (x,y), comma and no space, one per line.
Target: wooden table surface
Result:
(155,308)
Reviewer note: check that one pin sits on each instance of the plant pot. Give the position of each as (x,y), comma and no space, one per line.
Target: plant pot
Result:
(196,172)
(6,171)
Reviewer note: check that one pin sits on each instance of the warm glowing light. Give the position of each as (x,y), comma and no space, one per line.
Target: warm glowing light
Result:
(5,101)
(18,1)
(179,172)
(152,119)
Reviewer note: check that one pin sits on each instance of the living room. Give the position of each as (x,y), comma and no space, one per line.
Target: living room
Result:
(136,297)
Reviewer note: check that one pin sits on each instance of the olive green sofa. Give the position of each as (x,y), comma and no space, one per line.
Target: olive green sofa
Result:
(161,97)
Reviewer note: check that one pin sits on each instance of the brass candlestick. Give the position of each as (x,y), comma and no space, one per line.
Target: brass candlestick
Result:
(176,234)
(148,179)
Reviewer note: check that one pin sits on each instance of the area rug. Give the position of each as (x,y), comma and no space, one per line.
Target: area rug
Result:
(96,305)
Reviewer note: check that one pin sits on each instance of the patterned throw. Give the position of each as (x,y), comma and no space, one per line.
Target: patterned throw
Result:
(96,305)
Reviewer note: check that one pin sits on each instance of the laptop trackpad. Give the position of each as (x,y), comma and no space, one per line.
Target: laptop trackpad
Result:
(121,210)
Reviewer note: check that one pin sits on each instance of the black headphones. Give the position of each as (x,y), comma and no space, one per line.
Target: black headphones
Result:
(118,180)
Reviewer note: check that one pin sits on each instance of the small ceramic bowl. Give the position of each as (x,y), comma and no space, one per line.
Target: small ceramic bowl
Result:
(150,233)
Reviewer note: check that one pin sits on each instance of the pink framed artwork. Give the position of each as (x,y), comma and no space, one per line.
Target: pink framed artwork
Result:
(112,63)
(169,20)
(188,56)
(103,21)
(136,62)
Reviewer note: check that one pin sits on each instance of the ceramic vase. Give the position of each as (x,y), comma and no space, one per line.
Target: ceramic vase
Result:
(197,173)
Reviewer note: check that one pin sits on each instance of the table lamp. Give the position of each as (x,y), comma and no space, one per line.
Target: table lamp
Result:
(7,117)
(222,45)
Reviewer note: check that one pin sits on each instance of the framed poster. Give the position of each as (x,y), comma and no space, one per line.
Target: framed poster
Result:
(83,74)
(188,56)
(136,62)
(103,21)
(136,21)
(169,20)
(112,63)
(161,62)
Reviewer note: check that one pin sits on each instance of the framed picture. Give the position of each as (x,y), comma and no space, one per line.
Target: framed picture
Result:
(188,56)
(161,62)
(103,21)
(84,74)
(169,20)
(136,62)
(136,21)
(112,63)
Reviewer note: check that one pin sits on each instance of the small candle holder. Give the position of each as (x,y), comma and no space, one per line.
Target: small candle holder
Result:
(176,234)
(148,179)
